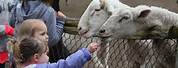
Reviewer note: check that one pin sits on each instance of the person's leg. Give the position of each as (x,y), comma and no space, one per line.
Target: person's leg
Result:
(57,52)
(2,65)
(64,51)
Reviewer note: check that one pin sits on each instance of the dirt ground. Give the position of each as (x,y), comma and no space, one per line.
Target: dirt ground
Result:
(75,8)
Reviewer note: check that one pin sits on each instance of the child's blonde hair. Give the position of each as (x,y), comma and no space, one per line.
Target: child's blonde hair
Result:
(28,28)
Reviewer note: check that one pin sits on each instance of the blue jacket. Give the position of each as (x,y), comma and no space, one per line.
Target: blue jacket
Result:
(76,60)
(38,10)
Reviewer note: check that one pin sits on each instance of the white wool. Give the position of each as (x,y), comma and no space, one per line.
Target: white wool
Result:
(165,16)
(159,16)
(113,5)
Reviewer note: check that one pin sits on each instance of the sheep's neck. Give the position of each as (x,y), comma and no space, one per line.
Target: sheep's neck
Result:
(167,18)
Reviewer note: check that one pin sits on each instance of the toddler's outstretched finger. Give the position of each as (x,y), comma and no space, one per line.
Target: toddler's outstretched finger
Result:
(93,47)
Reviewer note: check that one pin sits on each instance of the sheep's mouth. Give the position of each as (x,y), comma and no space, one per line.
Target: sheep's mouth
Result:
(82,33)
(102,35)
(86,34)
(106,36)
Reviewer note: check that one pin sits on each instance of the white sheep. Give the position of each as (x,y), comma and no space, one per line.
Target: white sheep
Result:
(129,22)
(132,22)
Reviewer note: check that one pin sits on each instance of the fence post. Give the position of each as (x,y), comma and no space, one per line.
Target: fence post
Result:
(176,54)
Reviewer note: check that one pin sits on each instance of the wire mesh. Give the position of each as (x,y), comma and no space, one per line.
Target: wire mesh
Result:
(124,53)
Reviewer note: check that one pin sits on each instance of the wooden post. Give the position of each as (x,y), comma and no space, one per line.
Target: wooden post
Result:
(176,56)
(71,25)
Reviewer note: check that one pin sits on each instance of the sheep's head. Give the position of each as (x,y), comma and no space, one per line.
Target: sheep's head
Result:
(124,23)
(94,16)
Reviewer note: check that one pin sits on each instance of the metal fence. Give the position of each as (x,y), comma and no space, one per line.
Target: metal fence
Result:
(122,53)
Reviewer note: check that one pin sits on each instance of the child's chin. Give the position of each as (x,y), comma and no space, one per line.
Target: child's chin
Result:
(43,62)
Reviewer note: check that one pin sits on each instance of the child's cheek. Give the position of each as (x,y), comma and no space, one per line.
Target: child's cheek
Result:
(47,59)
(44,59)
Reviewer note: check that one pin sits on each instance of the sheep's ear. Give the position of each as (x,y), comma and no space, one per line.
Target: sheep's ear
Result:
(144,13)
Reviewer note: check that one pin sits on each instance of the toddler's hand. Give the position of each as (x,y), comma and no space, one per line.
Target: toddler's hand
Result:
(60,14)
(93,47)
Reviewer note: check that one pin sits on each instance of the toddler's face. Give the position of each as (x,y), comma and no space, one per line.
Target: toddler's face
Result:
(43,58)
(41,33)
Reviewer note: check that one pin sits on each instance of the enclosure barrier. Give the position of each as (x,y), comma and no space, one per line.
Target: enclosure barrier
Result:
(136,52)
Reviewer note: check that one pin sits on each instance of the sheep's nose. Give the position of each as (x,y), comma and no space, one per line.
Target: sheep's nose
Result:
(102,31)
(82,30)
(79,28)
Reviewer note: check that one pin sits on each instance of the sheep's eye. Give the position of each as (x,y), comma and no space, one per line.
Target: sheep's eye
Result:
(124,18)
(97,9)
